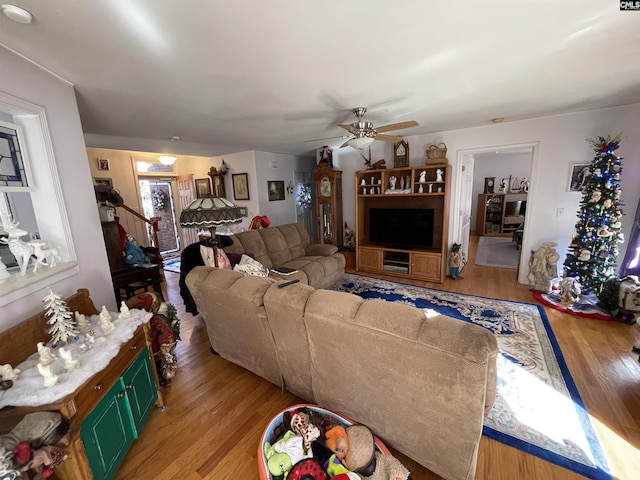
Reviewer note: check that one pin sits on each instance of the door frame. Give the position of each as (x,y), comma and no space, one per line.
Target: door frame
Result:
(534,148)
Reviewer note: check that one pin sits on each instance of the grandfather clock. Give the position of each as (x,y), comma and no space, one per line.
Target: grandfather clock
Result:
(329,204)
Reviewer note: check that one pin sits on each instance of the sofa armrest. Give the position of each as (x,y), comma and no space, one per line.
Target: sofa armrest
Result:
(320,250)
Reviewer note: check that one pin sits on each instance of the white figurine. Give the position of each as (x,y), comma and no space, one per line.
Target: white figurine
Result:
(430,188)
(124,310)
(50,378)
(504,185)
(363,182)
(7,372)
(70,363)
(524,185)
(106,325)
(44,254)
(392,182)
(82,322)
(46,357)
(423,176)
(421,190)
(439,173)
(89,339)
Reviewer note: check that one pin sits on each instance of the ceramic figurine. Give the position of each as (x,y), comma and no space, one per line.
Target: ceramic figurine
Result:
(569,291)
(70,363)
(7,372)
(106,325)
(423,176)
(44,254)
(124,310)
(392,182)
(89,339)
(431,188)
(46,357)
(524,185)
(421,190)
(542,266)
(50,378)
(439,173)
(82,322)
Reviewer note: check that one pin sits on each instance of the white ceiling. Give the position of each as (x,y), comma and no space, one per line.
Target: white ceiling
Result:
(268,75)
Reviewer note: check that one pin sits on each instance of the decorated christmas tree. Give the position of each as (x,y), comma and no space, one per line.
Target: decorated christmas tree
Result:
(593,251)
(62,321)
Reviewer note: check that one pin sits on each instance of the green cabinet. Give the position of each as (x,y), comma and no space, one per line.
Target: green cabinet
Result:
(113,425)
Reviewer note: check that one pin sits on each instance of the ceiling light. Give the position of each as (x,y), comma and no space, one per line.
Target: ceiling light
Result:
(167,159)
(17,14)
(497,120)
(175,138)
(360,142)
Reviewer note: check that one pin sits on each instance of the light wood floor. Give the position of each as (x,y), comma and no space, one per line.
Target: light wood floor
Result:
(217,411)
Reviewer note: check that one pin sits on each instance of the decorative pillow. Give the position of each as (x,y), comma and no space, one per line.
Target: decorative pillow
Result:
(208,255)
(249,266)
(223,260)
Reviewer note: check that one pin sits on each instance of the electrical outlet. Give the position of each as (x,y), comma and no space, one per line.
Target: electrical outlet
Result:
(560,212)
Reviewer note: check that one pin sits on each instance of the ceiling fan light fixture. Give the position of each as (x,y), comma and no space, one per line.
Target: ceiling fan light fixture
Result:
(361,142)
(167,159)
(17,14)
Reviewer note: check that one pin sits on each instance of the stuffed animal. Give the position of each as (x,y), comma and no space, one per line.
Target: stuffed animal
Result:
(338,441)
(133,253)
(283,454)
(301,425)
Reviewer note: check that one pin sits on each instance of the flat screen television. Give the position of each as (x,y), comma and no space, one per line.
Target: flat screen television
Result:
(405,228)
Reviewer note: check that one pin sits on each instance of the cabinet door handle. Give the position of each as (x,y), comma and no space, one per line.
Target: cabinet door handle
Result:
(135,347)
(130,386)
(98,386)
(122,394)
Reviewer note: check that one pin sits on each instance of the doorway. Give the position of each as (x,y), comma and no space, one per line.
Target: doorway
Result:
(472,167)
(158,202)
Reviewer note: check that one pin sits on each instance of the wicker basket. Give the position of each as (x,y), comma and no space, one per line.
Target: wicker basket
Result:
(436,154)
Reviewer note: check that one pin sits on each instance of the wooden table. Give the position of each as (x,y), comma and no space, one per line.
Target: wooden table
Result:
(146,273)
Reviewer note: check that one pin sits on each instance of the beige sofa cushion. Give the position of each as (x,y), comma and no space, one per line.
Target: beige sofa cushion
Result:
(237,325)
(404,362)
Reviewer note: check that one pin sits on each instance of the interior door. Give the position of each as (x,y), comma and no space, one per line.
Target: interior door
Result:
(186,195)
(466,190)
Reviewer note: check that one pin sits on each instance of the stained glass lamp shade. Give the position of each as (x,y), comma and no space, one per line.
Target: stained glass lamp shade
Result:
(210,212)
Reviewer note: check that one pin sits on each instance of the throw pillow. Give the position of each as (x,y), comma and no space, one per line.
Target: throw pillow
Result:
(208,256)
(249,266)
(223,260)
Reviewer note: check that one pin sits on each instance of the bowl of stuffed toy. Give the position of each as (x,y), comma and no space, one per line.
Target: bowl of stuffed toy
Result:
(310,442)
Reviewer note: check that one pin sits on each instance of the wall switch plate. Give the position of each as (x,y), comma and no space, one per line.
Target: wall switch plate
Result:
(560,212)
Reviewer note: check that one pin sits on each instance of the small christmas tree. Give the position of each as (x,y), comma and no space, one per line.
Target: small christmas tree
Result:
(62,321)
(593,251)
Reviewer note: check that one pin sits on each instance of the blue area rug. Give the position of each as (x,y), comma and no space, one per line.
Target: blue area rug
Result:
(538,408)
(172,265)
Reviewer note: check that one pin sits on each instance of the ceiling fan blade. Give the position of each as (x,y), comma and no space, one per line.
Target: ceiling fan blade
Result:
(326,138)
(349,128)
(388,138)
(345,144)
(397,126)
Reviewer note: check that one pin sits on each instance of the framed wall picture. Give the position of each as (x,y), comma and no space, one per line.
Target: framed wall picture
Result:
(275,189)
(577,176)
(103,181)
(103,164)
(203,187)
(240,186)
(243,211)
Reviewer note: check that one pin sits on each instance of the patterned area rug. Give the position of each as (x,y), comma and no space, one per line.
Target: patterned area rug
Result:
(172,265)
(497,252)
(538,408)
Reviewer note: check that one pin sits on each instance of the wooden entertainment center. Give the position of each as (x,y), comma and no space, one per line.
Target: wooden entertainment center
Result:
(374,190)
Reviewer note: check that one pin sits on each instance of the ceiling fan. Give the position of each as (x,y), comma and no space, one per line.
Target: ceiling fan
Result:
(363,134)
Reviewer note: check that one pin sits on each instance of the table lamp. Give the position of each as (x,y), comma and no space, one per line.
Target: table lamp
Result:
(210,212)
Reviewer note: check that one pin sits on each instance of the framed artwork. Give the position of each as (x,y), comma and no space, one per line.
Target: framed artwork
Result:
(203,187)
(275,189)
(103,181)
(103,164)
(243,211)
(240,186)
(577,176)
(13,165)
(401,154)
